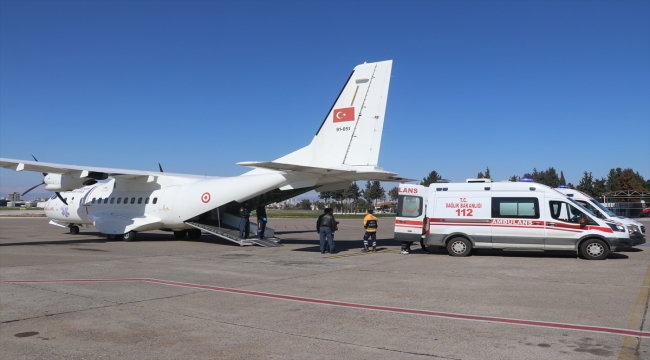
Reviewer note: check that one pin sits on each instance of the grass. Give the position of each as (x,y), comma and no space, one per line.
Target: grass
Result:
(307,214)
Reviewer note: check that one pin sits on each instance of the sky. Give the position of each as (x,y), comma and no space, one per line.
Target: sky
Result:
(201,85)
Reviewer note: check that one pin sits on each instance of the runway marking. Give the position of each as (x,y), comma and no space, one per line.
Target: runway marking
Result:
(631,345)
(439,314)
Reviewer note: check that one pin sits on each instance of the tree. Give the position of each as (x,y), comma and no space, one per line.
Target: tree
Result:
(305,204)
(586,184)
(431,178)
(393,193)
(351,194)
(487,173)
(514,178)
(325,195)
(562,180)
(373,192)
(628,181)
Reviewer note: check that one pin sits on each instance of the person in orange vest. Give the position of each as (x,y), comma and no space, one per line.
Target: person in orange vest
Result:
(370,224)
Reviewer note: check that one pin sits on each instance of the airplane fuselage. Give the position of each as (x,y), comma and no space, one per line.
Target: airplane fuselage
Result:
(117,207)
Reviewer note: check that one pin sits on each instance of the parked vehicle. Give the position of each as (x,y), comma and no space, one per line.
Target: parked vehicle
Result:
(603,213)
(481,214)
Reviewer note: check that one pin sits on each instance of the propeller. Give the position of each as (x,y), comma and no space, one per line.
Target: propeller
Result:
(43,183)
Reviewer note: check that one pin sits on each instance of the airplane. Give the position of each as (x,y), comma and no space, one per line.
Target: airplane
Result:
(120,203)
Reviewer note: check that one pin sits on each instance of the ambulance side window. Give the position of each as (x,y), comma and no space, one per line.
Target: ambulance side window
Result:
(515,207)
(409,206)
(565,212)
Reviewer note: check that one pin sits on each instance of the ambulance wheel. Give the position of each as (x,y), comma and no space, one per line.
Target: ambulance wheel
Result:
(180,234)
(74,230)
(594,249)
(130,236)
(194,234)
(459,246)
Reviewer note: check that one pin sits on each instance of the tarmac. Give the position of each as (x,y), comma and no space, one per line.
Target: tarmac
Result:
(82,296)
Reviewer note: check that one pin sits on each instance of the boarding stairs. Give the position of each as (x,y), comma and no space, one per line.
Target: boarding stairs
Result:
(228,230)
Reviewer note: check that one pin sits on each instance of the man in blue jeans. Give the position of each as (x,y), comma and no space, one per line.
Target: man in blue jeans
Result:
(325,225)
(244,220)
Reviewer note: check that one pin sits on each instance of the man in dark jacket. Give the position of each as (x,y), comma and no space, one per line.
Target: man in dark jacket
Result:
(261,221)
(244,220)
(325,225)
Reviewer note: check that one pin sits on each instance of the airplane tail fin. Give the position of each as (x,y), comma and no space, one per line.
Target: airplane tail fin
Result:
(351,133)
(346,146)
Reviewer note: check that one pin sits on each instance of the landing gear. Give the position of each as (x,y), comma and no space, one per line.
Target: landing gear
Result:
(194,234)
(181,234)
(114,237)
(74,230)
(130,236)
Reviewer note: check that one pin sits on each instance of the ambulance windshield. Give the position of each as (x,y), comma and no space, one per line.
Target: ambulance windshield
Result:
(603,208)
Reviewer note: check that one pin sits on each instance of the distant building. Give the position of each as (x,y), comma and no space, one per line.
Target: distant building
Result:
(13,197)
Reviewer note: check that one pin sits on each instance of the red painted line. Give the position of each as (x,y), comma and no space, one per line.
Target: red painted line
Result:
(498,320)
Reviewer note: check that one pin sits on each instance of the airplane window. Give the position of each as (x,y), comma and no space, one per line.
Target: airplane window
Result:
(73,198)
(106,201)
(93,201)
(119,200)
(126,200)
(112,200)
(139,200)
(155,200)
(132,200)
(146,201)
(99,201)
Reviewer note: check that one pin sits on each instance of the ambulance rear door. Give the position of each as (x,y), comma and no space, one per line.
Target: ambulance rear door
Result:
(411,203)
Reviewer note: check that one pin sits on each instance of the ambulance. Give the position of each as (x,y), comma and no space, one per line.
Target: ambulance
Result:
(524,216)
(638,236)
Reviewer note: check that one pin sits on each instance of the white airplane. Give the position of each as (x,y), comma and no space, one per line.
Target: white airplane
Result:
(121,203)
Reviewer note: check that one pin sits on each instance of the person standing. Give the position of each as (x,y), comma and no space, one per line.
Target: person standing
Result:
(261,221)
(325,225)
(244,220)
(370,224)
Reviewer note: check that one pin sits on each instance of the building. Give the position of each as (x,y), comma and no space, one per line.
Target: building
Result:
(13,197)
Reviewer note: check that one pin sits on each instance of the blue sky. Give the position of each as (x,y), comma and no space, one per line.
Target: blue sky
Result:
(201,85)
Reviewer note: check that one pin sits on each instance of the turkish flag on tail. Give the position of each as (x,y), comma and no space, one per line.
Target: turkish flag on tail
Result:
(344,114)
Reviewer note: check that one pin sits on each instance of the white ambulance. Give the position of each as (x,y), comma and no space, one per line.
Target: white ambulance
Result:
(638,237)
(481,214)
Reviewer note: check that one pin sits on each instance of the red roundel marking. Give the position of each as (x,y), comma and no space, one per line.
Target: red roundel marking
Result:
(205,197)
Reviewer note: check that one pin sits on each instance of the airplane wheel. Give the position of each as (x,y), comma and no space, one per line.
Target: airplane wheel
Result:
(180,234)
(194,234)
(114,237)
(130,236)
(74,230)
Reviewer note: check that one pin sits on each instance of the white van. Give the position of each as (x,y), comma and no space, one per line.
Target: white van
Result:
(508,215)
(603,213)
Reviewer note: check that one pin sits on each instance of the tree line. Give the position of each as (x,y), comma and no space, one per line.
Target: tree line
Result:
(353,199)
(616,180)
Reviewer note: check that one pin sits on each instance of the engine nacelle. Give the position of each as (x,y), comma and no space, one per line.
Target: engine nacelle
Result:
(59,182)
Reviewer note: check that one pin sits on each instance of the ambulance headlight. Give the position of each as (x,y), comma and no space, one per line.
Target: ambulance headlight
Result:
(617,227)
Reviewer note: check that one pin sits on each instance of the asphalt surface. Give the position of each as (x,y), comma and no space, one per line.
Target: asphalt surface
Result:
(212,299)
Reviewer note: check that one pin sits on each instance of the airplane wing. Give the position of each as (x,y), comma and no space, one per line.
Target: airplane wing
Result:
(357,173)
(80,171)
